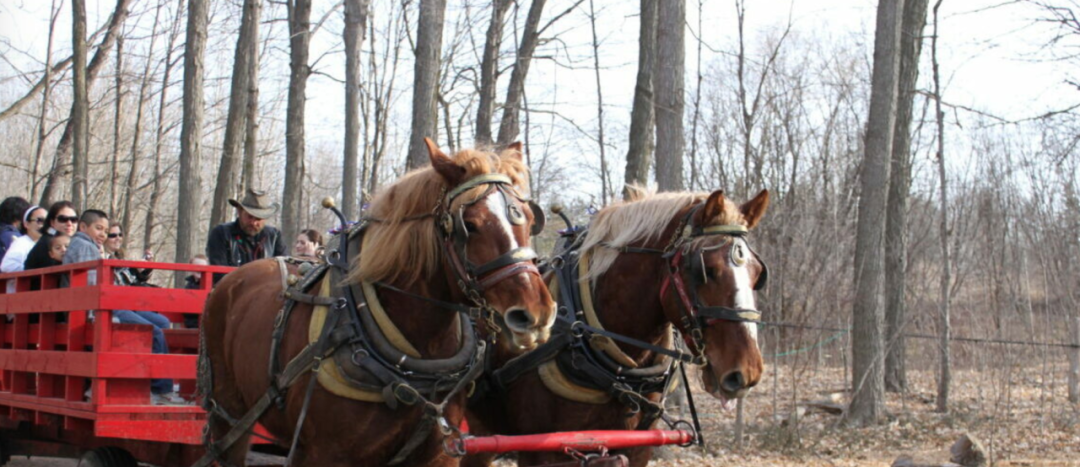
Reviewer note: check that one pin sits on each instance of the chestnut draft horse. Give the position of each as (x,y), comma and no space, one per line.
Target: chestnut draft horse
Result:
(662,261)
(441,244)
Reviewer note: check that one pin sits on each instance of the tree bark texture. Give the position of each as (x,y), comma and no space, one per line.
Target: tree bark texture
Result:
(80,106)
(639,150)
(190,184)
(356,13)
(670,89)
(426,80)
(235,122)
(914,19)
(868,356)
(509,127)
(489,71)
(944,282)
(160,131)
(64,147)
(118,113)
(299,43)
(605,188)
(46,90)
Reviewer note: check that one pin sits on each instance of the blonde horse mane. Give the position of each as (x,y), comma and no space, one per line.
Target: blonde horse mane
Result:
(643,218)
(403,246)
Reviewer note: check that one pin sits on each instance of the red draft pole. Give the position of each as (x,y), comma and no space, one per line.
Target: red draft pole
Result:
(584,441)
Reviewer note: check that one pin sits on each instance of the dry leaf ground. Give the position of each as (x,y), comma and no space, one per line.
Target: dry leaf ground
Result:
(1019,411)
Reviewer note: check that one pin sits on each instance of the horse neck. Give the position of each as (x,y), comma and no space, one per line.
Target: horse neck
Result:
(627,300)
(432,330)
(627,296)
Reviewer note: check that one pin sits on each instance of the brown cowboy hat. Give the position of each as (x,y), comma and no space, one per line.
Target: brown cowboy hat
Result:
(257,203)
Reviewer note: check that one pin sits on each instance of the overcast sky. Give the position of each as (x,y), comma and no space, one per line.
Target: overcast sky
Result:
(991,55)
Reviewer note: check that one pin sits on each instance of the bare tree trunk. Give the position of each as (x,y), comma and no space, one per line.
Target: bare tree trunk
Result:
(605,185)
(509,127)
(235,123)
(356,12)
(130,186)
(251,123)
(426,80)
(46,82)
(945,373)
(489,71)
(190,183)
(64,147)
(118,109)
(670,87)
(899,186)
(697,114)
(639,150)
(80,106)
(299,40)
(159,134)
(868,400)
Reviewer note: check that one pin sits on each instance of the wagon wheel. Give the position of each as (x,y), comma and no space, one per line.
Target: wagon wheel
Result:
(108,457)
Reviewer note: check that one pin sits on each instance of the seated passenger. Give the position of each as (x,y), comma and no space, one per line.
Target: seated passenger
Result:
(11,216)
(87,245)
(308,243)
(33,224)
(61,218)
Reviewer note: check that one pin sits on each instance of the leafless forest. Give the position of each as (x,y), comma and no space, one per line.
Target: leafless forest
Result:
(923,243)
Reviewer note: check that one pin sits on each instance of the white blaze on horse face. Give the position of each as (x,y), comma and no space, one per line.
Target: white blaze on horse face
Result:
(497,205)
(744,289)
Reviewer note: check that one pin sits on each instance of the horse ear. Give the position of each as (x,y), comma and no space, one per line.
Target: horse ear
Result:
(444,165)
(713,207)
(754,209)
(515,149)
(634,192)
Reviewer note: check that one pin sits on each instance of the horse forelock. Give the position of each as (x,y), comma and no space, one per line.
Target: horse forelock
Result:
(644,218)
(405,241)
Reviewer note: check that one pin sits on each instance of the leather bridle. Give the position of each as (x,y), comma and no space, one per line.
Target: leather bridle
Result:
(475,279)
(696,315)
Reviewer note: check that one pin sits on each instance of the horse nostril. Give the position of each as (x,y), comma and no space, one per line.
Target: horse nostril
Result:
(518,319)
(734,381)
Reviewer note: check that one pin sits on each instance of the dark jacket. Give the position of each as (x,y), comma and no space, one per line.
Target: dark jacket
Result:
(8,234)
(38,257)
(230,246)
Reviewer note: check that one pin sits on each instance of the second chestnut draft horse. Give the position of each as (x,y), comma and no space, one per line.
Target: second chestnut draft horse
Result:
(640,269)
(441,246)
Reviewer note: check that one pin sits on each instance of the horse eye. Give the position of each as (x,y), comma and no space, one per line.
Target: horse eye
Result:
(710,272)
(470,227)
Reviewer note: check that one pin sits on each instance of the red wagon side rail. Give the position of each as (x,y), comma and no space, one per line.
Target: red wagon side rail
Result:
(576,441)
(53,349)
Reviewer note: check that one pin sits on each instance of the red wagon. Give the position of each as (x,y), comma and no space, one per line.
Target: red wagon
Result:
(76,386)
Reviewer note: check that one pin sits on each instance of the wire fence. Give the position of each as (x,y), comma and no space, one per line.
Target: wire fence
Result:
(840,332)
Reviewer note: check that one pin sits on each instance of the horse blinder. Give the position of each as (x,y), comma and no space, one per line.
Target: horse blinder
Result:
(539,219)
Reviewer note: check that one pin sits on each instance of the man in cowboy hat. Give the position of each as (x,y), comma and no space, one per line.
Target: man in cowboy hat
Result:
(248,238)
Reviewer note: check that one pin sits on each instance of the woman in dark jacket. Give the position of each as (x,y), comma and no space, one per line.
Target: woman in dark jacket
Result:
(63,218)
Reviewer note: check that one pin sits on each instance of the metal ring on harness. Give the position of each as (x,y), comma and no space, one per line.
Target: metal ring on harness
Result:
(362,353)
(334,255)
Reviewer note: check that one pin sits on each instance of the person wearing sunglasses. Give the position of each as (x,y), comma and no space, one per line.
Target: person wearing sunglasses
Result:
(62,218)
(114,249)
(11,211)
(32,221)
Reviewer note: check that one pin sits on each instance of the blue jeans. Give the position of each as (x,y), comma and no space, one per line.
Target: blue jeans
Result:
(157,322)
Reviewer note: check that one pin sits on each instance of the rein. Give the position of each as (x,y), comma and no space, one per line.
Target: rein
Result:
(696,316)
(350,327)
(474,279)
